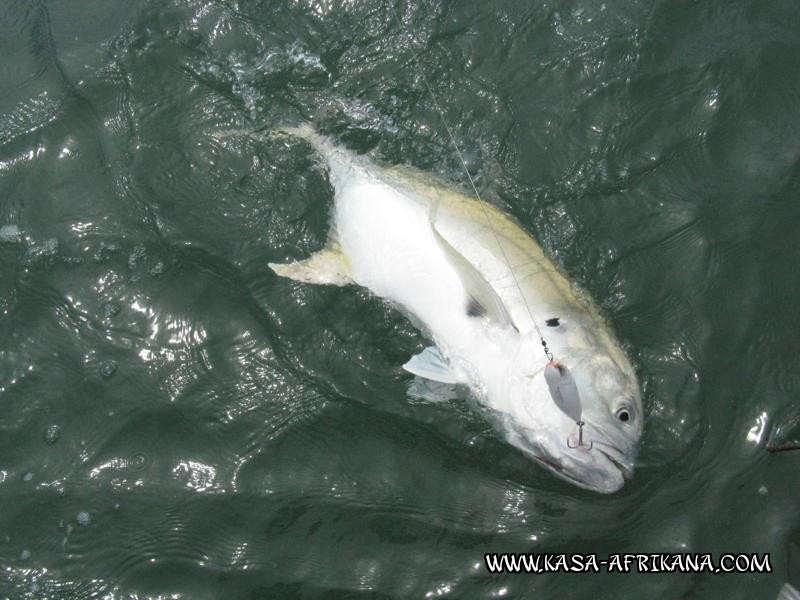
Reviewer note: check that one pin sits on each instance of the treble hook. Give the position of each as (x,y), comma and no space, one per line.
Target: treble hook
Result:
(580,443)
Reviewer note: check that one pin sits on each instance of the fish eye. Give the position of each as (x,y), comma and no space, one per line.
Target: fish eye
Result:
(624,414)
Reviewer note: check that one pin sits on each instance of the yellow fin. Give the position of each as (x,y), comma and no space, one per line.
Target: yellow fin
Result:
(329,266)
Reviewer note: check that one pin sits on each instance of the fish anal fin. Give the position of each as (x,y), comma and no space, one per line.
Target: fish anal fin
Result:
(329,266)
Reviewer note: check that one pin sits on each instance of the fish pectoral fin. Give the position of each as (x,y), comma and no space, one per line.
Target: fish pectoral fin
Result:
(482,300)
(329,266)
(430,364)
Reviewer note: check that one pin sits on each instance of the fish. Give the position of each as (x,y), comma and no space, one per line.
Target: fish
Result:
(502,319)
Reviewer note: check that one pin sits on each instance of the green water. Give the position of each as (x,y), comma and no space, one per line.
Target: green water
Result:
(177,422)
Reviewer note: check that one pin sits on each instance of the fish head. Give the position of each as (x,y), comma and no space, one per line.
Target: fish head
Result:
(598,455)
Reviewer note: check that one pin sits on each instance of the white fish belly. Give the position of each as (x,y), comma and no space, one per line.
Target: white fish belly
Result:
(428,249)
(388,238)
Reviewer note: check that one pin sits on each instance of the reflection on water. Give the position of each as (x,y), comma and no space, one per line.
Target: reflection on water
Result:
(177,422)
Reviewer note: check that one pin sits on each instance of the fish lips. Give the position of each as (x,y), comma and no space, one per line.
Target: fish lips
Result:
(624,460)
(617,457)
(601,468)
(599,465)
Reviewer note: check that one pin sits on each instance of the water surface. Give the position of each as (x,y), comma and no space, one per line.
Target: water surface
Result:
(176,421)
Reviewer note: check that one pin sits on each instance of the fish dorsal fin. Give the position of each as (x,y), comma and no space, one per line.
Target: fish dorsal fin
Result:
(328,266)
(430,364)
(482,300)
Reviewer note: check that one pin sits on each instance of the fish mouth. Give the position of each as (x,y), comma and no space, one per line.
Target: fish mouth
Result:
(560,470)
(626,470)
(619,463)
(587,484)
(613,453)
(603,468)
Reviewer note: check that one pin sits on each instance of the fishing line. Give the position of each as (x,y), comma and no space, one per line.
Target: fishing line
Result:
(481,202)
(562,386)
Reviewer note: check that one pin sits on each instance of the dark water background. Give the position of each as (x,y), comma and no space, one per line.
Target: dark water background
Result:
(177,422)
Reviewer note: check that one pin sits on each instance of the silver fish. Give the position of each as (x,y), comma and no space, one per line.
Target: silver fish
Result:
(476,283)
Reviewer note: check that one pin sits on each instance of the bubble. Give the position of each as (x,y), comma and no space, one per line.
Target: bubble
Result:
(105,251)
(136,256)
(28,476)
(51,435)
(9,233)
(108,368)
(47,248)
(84,519)
(110,309)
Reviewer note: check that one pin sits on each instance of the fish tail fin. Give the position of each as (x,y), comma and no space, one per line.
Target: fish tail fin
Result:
(303,131)
(306,131)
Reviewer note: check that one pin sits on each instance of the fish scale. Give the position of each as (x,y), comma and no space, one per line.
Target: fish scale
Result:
(446,260)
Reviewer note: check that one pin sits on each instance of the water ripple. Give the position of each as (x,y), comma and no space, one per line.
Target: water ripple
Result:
(179,421)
